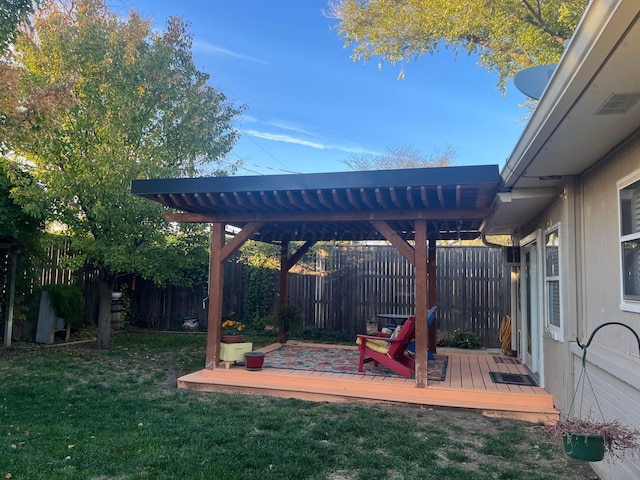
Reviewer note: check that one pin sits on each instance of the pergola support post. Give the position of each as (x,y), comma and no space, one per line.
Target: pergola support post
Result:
(283,292)
(421,297)
(216,286)
(431,288)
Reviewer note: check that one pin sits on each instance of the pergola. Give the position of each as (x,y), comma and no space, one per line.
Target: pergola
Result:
(410,208)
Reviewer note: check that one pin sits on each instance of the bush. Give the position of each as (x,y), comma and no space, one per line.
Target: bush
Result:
(465,339)
(67,301)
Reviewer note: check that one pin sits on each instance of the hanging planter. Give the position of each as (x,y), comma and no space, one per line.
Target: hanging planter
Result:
(589,440)
(588,448)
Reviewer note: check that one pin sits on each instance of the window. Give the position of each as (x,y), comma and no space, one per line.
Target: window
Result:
(553,312)
(629,193)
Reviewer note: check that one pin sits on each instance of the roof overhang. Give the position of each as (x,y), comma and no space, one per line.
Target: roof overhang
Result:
(590,106)
(455,202)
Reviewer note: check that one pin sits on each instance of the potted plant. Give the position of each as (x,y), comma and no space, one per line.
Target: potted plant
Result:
(254,360)
(589,440)
(231,331)
(288,320)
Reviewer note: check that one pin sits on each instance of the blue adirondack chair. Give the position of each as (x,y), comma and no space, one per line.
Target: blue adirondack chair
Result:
(431,315)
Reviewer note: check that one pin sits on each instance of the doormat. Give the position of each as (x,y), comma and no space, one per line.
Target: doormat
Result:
(340,360)
(511,360)
(512,378)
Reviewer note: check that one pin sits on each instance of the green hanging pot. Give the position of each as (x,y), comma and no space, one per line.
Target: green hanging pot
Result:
(587,448)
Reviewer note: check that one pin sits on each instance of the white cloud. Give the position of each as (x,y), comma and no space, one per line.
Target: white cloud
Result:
(214,50)
(275,137)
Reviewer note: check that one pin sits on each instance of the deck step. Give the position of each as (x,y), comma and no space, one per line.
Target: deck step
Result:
(316,386)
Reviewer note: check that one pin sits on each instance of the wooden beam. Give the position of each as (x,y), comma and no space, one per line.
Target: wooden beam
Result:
(309,200)
(421,297)
(239,239)
(365,199)
(329,216)
(295,258)
(395,198)
(380,198)
(353,199)
(424,197)
(410,199)
(394,239)
(338,200)
(441,196)
(216,285)
(284,273)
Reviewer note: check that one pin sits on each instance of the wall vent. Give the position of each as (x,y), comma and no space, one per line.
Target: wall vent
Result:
(618,103)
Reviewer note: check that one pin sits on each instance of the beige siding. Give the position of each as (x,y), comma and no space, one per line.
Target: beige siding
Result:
(601,249)
(587,211)
(613,359)
(559,381)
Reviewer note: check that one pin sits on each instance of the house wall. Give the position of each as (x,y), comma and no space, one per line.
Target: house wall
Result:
(587,210)
(613,359)
(555,352)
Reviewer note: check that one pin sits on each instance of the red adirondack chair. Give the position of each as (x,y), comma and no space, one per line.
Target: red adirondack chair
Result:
(389,351)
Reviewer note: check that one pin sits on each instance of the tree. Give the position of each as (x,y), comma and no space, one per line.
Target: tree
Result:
(141,110)
(12,14)
(508,35)
(23,112)
(404,156)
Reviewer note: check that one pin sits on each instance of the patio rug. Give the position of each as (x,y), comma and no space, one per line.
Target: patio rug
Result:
(339,360)
(512,378)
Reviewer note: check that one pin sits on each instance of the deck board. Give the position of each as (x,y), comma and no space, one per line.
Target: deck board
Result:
(467,385)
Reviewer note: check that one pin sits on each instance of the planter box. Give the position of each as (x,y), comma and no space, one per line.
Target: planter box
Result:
(234,352)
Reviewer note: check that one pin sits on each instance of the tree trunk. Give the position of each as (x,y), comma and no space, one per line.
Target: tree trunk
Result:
(104,311)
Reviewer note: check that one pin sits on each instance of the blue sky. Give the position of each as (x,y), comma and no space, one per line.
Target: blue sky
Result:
(310,107)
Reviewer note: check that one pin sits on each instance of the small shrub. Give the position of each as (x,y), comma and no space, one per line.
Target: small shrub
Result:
(443,339)
(465,339)
(67,301)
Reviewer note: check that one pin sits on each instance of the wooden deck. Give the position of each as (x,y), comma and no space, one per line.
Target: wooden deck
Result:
(467,385)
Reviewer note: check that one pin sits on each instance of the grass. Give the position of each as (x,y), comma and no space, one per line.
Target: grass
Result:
(74,412)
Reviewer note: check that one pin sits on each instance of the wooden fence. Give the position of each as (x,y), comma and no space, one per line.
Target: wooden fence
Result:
(355,283)
(340,289)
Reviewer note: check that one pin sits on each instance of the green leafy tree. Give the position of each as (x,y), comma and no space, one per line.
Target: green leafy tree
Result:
(404,156)
(142,110)
(12,14)
(23,111)
(508,35)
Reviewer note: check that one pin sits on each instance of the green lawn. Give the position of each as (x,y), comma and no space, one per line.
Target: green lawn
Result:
(74,412)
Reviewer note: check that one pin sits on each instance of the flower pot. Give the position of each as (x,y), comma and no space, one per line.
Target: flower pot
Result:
(232,338)
(190,324)
(254,360)
(588,448)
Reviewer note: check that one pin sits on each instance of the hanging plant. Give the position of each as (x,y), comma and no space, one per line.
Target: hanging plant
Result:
(590,440)
(587,439)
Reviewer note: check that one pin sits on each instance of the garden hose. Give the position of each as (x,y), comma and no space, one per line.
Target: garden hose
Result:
(505,335)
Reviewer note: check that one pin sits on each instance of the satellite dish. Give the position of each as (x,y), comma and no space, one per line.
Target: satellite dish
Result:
(532,81)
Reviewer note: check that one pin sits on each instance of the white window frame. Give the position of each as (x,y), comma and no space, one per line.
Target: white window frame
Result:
(555,332)
(626,304)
